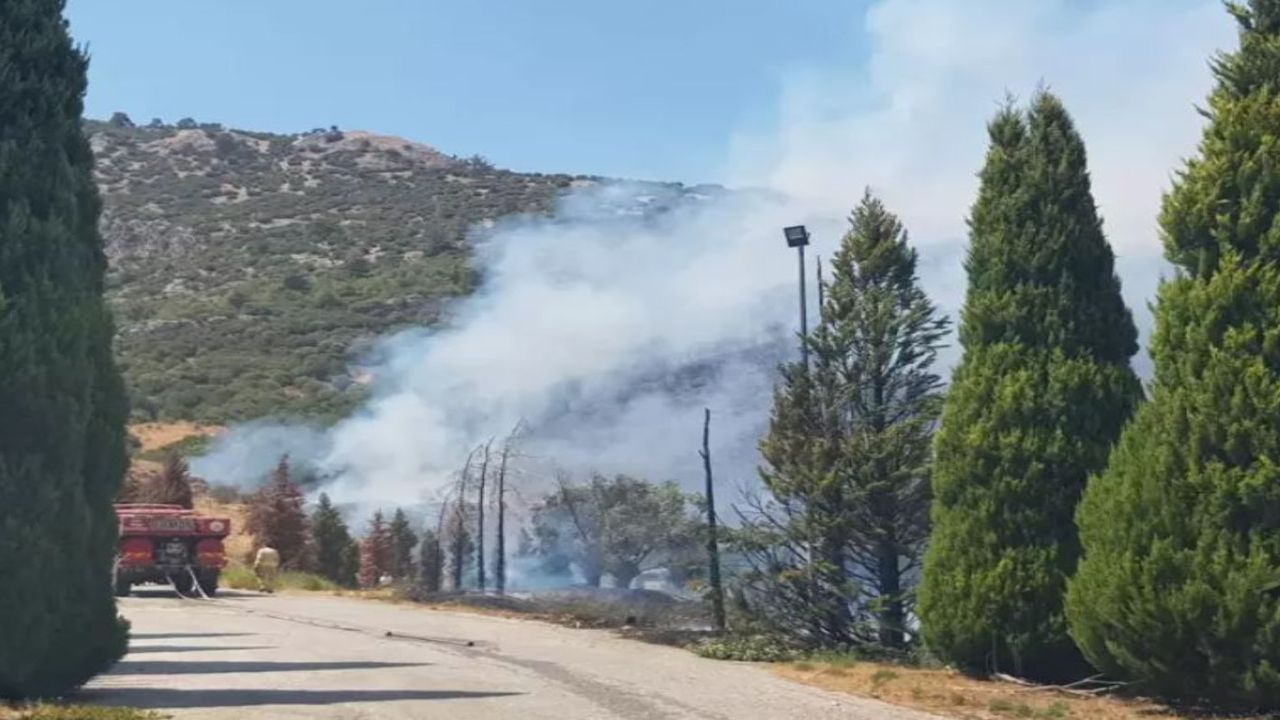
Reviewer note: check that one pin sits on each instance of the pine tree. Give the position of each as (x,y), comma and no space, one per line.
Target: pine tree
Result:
(332,544)
(883,334)
(1039,397)
(278,518)
(403,541)
(62,401)
(134,488)
(349,569)
(368,574)
(430,563)
(1179,586)
(848,447)
(172,485)
(796,539)
(375,552)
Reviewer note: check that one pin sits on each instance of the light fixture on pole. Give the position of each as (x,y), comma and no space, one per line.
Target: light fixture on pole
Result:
(798,237)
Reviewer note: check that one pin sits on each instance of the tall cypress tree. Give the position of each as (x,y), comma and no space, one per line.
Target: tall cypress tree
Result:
(62,402)
(1039,397)
(1180,582)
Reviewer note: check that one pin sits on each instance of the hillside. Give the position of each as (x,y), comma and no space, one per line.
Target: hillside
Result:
(249,268)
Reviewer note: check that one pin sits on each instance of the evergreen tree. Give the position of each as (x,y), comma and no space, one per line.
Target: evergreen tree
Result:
(1179,586)
(278,519)
(332,544)
(848,449)
(430,563)
(172,485)
(403,540)
(368,574)
(62,402)
(1039,397)
(796,539)
(375,552)
(882,334)
(350,566)
(134,488)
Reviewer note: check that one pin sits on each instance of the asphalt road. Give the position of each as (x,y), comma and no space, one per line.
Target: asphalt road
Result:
(301,656)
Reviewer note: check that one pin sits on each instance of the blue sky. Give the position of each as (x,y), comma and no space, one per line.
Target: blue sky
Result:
(649,90)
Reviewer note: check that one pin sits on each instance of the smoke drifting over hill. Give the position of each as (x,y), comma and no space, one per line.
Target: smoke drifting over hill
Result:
(606,329)
(609,328)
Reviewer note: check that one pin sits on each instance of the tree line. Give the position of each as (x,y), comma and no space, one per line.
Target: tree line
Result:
(320,541)
(1046,517)
(577,532)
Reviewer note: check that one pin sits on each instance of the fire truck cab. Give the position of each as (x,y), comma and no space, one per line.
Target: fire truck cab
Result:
(168,544)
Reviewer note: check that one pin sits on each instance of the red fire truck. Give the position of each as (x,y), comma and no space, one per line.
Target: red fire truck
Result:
(169,545)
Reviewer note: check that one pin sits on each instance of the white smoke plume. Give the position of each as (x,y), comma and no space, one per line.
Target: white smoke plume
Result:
(911,121)
(586,327)
(606,330)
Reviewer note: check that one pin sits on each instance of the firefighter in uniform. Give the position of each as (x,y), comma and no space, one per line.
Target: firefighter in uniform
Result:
(265,565)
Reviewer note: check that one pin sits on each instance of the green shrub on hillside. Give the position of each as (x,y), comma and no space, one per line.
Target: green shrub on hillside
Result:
(249,271)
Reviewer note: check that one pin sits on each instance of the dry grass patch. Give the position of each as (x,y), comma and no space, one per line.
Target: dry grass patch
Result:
(239,544)
(159,435)
(575,607)
(951,694)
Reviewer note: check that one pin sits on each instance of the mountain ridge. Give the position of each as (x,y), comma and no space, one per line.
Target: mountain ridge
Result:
(247,269)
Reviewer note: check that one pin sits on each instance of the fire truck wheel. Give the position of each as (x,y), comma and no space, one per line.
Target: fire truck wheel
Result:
(123,588)
(209,582)
(182,582)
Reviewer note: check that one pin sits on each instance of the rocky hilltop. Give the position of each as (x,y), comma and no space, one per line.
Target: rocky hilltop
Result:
(248,269)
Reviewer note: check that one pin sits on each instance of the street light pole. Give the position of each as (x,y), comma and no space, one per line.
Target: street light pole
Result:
(797,237)
(822,301)
(804,314)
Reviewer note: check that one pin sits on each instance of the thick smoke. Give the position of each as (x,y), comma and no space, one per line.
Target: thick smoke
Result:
(606,329)
(609,328)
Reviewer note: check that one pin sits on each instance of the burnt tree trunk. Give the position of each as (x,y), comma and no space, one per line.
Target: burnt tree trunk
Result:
(713,546)
(484,473)
(624,574)
(429,570)
(458,548)
(892,614)
(500,559)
